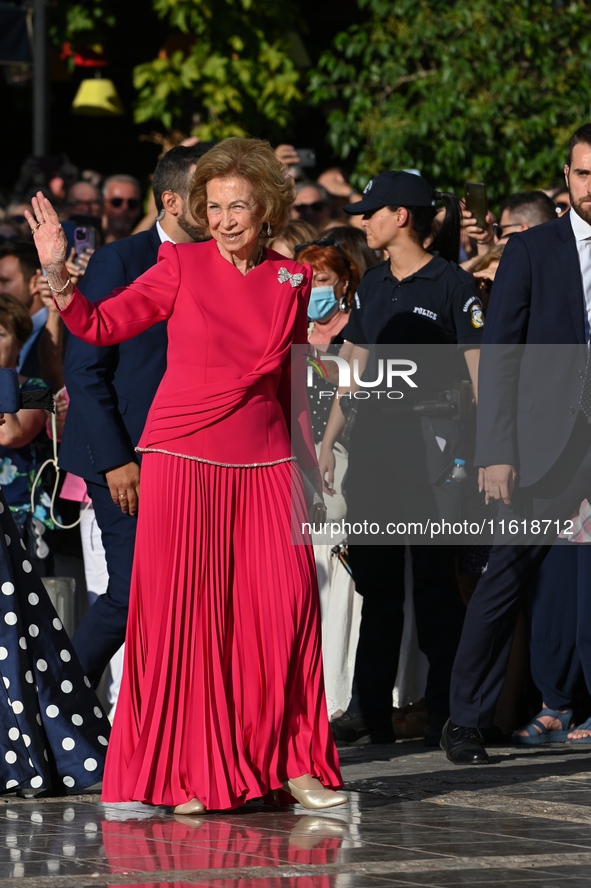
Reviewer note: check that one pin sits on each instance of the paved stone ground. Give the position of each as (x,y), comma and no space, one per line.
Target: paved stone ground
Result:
(413,820)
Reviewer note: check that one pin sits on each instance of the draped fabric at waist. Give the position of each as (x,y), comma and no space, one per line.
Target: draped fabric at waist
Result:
(235,422)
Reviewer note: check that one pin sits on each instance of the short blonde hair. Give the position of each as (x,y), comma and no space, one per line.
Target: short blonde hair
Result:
(487,259)
(296,232)
(254,161)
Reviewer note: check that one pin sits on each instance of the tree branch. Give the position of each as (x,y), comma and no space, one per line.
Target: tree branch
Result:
(407,78)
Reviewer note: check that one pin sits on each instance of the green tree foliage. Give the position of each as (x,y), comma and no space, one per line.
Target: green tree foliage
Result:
(484,90)
(233,70)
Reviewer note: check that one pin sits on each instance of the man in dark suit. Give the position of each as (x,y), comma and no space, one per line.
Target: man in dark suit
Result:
(534,436)
(111,389)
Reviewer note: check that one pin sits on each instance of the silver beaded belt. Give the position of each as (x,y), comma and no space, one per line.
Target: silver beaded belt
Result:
(211,462)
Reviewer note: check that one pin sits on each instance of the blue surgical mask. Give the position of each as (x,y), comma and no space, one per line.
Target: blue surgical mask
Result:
(322,303)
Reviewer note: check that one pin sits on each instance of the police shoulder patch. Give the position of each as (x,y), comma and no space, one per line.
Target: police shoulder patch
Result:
(477,314)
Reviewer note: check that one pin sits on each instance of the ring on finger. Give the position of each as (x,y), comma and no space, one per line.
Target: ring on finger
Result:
(37,227)
(122,496)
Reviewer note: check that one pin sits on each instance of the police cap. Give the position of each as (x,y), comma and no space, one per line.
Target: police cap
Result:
(394,189)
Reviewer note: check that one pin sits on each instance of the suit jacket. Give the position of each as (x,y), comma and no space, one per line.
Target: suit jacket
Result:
(111,387)
(533,358)
(31,366)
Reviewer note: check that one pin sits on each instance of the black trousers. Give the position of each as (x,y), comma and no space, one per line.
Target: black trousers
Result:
(102,630)
(560,636)
(481,663)
(379,576)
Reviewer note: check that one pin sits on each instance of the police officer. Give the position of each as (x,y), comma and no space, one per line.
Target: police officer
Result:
(397,458)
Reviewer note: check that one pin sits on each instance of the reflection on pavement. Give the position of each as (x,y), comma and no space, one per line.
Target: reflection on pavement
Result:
(183,844)
(48,839)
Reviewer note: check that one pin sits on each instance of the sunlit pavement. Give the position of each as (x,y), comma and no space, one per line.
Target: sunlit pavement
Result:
(413,819)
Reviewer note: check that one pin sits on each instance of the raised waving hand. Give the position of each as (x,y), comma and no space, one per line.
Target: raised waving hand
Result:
(52,245)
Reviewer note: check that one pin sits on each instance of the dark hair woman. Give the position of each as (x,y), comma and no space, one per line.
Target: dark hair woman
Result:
(399,459)
(24,444)
(52,709)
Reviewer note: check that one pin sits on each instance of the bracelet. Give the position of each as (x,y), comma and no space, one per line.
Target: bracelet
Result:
(54,290)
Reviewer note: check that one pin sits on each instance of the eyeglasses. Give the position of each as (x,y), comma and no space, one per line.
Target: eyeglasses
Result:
(498,229)
(132,202)
(18,219)
(315,207)
(325,242)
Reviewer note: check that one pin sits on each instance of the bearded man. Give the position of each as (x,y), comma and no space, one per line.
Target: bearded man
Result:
(533,439)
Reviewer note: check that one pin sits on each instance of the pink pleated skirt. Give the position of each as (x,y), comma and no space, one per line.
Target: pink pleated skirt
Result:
(222,695)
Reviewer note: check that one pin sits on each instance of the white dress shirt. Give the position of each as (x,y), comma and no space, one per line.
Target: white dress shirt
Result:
(162,234)
(582,232)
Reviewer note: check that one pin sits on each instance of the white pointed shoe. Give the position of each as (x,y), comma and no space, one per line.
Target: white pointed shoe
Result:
(316,799)
(193,806)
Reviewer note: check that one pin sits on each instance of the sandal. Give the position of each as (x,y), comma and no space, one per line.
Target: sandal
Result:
(586,726)
(534,737)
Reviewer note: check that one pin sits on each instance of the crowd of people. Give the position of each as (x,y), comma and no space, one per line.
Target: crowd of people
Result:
(239,661)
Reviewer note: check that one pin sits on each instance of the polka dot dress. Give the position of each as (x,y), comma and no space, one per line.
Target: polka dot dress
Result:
(53,732)
(320,407)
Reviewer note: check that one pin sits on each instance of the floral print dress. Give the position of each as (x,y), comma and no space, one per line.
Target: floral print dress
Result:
(18,468)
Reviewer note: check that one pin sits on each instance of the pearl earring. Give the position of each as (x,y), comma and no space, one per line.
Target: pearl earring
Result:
(269,232)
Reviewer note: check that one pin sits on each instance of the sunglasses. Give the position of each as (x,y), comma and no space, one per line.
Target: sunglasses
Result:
(132,202)
(315,207)
(498,229)
(18,219)
(324,242)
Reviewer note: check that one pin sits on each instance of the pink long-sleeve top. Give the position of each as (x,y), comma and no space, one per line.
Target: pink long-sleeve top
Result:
(227,396)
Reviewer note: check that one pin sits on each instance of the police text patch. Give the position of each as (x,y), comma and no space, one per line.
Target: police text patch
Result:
(425,312)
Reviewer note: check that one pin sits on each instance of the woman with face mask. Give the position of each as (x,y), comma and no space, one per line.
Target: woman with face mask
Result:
(335,278)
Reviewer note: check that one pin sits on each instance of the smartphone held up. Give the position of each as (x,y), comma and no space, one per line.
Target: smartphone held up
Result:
(307,157)
(476,201)
(85,238)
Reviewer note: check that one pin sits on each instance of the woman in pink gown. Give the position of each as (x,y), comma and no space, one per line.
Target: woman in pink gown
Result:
(222,698)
